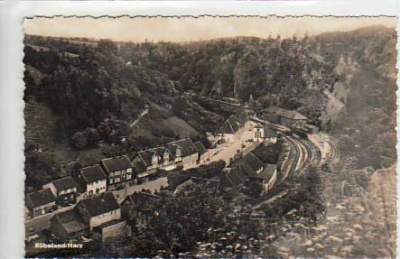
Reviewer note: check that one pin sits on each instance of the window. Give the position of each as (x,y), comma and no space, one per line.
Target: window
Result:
(117,180)
(111,181)
(111,174)
(128,177)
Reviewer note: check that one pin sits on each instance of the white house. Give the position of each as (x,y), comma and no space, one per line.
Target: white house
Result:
(92,180)
(99,210)
(184,152)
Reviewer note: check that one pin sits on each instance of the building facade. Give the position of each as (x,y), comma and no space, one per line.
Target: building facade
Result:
(92,181)
(119,171)
(99,210)
(64,189)
(40,202)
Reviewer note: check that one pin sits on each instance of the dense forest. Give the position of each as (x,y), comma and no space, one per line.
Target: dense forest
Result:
(100,92)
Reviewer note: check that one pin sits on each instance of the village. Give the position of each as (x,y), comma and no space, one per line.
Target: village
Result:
(97,202)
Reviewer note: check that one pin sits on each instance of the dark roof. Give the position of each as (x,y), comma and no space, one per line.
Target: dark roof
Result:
(101,204)
(186,145)
(70,221)
(116,163)
(147,155)
(39,198)
(234,123)
(64,183)
(269,133)
(200,147)
(258,125)
(231,193)
(286,113)
(92,173)
(233,178)
(141,197)
(138,165)
(250,163)
(266,174)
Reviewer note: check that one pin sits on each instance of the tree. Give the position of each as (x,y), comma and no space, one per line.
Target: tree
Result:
(79,140)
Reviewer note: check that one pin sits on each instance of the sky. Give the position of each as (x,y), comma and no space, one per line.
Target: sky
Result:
(139,29)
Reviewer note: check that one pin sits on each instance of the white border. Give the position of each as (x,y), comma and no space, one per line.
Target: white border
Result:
(11,84)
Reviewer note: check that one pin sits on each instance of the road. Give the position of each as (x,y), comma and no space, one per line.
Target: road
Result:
(228,150)
(42,222)
(140,116)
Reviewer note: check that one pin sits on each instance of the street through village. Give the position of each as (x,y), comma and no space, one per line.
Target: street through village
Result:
(302,154)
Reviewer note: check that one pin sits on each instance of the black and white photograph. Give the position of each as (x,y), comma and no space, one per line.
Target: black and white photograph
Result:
(210,136)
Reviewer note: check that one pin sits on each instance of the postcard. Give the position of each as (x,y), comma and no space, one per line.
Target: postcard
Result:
(210,136)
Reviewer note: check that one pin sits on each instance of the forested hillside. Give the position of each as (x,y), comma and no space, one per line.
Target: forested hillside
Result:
(104,91)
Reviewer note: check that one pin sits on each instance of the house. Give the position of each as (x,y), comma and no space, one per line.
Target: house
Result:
(119,171)
(251,164)
(263,133)
(267,177)
(285,117)
(204,156)
(270,136)
(68,225)
(138,206)
(92,181)
(40,202)
(233,127)
(111,231)
(234,178)
(143,171)
(258,133)
(147,162)
(99,210)
(184,152)
(64,189)
(254,169)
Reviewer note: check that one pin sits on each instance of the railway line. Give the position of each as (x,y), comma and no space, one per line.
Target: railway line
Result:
(303,154)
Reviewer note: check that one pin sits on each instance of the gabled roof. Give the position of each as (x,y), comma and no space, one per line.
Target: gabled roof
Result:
(269,133)
(258,125)
(186,145)
(251,164)
(101,204)
(141,199)
(266,174)
(147,155)
(92,173)
(230,126)
(233,178)
(201,149)
(234,122)
(286,113)
(138,165)
(116,163)
(70,221)
(39,198)
(64,183)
